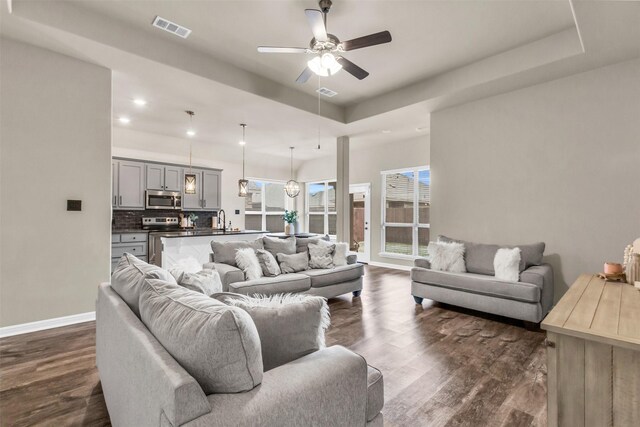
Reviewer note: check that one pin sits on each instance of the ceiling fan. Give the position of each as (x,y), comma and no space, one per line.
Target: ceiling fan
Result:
(327,48)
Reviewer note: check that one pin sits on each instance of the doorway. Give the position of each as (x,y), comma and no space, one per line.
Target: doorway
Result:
(360,220)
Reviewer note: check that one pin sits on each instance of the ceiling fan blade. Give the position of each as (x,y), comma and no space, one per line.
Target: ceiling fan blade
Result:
(304,76)
(272,49)
(366,41)
(352,68)
(316,21)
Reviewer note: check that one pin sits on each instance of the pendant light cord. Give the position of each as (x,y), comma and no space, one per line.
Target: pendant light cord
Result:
(291,174)
(244,142)
(319,115)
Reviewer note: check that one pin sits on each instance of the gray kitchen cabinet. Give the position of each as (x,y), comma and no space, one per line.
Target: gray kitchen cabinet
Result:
(211,189)
(193,202)
(114,183)
(163,178)
(131,183)
(135,243)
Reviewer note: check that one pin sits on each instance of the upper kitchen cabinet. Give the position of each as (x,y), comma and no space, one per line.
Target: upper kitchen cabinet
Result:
(211,189)
(164,178)
(130,183)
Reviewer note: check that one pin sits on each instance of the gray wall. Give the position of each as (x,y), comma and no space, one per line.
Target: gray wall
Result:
(557,162)
(55,145)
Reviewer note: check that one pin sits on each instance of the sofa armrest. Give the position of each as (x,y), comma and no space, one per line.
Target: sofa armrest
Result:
(541,276)
(327,387)
(352,259)
(209,266)
(228,274)
(422,263)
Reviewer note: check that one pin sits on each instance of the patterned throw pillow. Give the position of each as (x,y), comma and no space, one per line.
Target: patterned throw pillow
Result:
(321,255)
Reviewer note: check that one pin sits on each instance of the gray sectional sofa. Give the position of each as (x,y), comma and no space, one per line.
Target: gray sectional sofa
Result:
(145,385)
(327,283)
(529,299)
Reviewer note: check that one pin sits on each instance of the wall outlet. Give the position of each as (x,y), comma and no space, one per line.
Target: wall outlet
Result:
(74,205)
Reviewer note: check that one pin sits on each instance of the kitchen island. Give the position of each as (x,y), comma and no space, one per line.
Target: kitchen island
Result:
(167,248)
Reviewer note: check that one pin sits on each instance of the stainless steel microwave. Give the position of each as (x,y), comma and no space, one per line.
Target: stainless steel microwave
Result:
(168,200)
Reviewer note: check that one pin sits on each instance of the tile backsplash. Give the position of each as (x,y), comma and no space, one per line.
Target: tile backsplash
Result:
(124,219)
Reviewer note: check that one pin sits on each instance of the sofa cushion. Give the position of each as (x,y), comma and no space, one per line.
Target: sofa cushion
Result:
(277,246)
(248,262)
(478,284)
(272,285)
(216,344)
(302,243)
(268,263)
(206,281)
(290,325)
(479,256)
(321,255)
(128,276)
(293,263)
(225,252)
(375,392)
(333,276)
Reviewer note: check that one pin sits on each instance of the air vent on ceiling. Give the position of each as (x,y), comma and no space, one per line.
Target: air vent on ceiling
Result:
(326,92)
(172,27)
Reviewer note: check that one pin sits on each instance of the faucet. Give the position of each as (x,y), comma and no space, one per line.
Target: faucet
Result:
(222,216)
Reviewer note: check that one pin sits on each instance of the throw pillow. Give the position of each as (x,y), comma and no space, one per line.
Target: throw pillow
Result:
(506,264)
(446,256)
(289,325)
(321,255)
(189,265)
(302,243)
(225,252)
(247,261)
(340,254)
(268,263)
(191,327)
(280,246)
(128,276)
(205,281)
(293,263)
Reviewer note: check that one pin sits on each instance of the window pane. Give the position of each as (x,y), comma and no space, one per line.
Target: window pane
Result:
(253,222)
(333,219)
(399,197)
(316,197)
(424,196)
(423,241)
(274,197)
(399,240)
(275,223)
(316,224)
(331,195)
(253,201)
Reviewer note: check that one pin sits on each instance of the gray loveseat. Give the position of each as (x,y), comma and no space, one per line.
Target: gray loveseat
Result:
(529,299)
(144,385)
(327,283)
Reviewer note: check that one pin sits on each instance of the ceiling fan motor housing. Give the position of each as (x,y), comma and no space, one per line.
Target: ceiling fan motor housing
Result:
(325,5)
(331,45)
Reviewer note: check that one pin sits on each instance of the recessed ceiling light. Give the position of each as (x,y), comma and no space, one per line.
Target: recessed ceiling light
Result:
(139,101)
(386,131)
(242,142)
(191,132)
(124,120)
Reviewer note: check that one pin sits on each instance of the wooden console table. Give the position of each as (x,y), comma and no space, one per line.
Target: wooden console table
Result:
(593,355)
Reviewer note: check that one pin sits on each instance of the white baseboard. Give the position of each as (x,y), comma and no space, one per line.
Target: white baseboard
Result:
(40,325)
(394,266)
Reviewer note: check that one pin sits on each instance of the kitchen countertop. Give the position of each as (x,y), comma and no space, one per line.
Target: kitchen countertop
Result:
(202,232)
(128,230)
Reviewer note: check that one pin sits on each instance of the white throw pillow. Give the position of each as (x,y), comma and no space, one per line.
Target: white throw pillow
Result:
(446,256)
(340,254)
(506,264)
(206,281)
(247,261)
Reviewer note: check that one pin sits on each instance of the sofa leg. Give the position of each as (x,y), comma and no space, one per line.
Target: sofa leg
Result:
(418,300)
(357,293)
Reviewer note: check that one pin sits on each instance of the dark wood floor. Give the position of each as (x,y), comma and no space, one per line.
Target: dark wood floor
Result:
(442,366)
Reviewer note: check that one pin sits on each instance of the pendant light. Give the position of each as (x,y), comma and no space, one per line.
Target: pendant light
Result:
(243,184)
(190,178)
(292,188)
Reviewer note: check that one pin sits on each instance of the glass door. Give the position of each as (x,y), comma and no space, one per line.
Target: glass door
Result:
(360,219)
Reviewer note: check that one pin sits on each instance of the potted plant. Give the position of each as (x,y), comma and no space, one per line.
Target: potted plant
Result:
(290,218)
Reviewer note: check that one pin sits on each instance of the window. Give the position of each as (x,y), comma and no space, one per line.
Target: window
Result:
(264,206)
(405,212)
(321,207)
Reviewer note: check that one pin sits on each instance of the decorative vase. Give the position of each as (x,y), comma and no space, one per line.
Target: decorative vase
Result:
(289,229)
(633,269)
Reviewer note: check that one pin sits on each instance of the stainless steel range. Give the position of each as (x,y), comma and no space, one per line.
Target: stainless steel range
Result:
(161,223)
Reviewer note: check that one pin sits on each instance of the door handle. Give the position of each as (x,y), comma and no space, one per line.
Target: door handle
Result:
(120,199)
(205,203)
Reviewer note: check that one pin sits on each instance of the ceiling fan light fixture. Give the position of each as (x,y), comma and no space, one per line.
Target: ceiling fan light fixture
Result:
(325,65)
